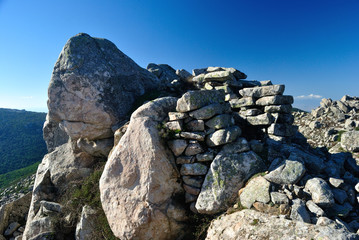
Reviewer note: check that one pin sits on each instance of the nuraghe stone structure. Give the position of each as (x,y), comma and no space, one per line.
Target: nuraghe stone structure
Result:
(206,134)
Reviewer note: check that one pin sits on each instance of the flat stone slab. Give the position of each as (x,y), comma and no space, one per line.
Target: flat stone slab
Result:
(227,174)
(242,102)
(275,100)
(281,129)
(194,169)
(262,119)
(223,136)
(193,100)
(210,110)
(287,108)
(263,91)
(219,76)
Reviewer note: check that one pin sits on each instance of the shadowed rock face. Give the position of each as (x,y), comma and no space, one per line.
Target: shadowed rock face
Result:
(140,180)
(93,86)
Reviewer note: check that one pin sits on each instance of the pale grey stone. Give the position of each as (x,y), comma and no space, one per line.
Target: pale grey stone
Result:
(194,169)
(238,146)
(223,136)
(93,76)
(205,157)
(98,148)
(275,100)
(86,227)
(257,190)
(299,211)
(279,198)
(210,110)
(278,108)
(199,136)
(251,112)
(177,146)
(193,149)
(141,157)
(314,208)
(350,141)
(262,91)
(219,76)
(288,172)
(320,191)
(266,83)
(193,100)
(251,224)
(263,119)
(336,182)
(227,174)
(242,102)
(174,125)
(184,74)
(177,116)
(220,121)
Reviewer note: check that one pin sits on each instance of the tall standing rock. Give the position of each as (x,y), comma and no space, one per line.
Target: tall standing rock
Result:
(93,86)
(140,179)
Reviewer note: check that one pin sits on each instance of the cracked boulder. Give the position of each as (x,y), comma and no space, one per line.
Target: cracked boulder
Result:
(91,78)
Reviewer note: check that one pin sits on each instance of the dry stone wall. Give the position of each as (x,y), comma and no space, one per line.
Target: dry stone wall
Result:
(214,156)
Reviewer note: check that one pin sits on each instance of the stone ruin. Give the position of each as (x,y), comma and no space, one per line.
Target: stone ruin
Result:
(205,134)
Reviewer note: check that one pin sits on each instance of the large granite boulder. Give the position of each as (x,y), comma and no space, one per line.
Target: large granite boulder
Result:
(140,183)
(57,171)
(93,86)
(250,224)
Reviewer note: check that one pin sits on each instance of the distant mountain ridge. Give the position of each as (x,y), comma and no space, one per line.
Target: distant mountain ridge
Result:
(21,140)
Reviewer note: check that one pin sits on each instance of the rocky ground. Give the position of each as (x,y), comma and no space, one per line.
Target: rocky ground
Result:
(217,146)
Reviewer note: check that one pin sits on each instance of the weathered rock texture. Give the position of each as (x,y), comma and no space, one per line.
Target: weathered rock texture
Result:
(250,224)
(93,86)
(140,180)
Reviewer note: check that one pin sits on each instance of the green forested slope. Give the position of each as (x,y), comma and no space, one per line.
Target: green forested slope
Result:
(21,142)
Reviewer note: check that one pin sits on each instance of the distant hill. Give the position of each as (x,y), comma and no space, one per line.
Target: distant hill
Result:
(21,141)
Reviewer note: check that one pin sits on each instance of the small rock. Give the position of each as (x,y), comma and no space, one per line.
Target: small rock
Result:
(193,100)
(199,136)
(279,198)
(278,108)
(336,182)
(242,102)
(263,119)
(205,157)
(185,159)
(210,111)
(223,136)
(11,228)
(263,91)
(257,190)
(299,211)
(240,145)
(177,146)
(320,191)
(191,190)
(177,116)
(193,169)
(275,100)
(193,149)
(313,208)
(174,125)
(288,172)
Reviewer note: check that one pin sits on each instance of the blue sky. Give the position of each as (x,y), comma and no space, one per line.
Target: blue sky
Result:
(310,46)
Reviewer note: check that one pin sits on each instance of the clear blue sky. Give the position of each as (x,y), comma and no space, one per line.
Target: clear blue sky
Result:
(310,46)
